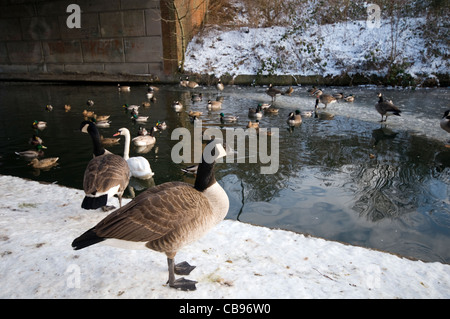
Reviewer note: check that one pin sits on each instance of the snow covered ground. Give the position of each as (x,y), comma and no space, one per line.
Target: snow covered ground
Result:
(334,49)
(235,260)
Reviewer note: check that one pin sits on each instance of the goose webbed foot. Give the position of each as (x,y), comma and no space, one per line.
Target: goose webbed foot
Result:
(183,268)
(183,284)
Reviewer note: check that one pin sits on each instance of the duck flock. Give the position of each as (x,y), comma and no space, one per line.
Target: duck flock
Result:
(166,217)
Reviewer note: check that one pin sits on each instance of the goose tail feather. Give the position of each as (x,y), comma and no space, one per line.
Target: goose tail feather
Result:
(94,202)
(87,239)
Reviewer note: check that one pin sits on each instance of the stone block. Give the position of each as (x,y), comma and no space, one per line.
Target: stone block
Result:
(10,30)
(133,23)
(25,52)
(103,50)
(62,51)
(13,68)
(152,22)
(84,68)
(98,5)
(126,68)
(143,49)
(3,53)
(111,24)
(24,10)
(139,4)
(89,27)
(40,28)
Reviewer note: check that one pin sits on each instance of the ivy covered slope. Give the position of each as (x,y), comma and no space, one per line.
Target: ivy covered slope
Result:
(402,42)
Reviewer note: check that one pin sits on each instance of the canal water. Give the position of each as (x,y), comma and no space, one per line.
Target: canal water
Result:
(342,175)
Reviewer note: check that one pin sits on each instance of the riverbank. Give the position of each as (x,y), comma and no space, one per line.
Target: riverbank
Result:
(235,260)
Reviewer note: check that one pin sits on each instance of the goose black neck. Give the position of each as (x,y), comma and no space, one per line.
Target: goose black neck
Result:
(95,135)
(205,176)
(380,100)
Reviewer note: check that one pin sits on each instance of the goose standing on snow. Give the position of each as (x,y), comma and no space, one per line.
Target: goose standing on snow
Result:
(139,165)
(106,174)
(167,217)
(386,108)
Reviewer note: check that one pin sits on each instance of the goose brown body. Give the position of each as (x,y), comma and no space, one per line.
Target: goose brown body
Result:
(106,174)
(165,218)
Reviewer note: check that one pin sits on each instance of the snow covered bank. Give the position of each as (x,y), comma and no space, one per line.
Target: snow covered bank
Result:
(329,50)
(38,223)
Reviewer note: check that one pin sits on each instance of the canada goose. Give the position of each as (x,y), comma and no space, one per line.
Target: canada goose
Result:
(255,113)
(67,107)
(39,125)
(145,140)
(35,140)
(183,83)
(273,92)
(106,174)
(49,108)
(349,98)
(214,105)
(123,88)
(191,84)
(220,86)
(289,91)
(44,163)
(445,121)
(253,124)
(294,118)
(139,165)
(177,106)
(90,103)
(386,108)
(227,118)
(150,93)
(324,99)
(197,97)
(152,220)
(32,153)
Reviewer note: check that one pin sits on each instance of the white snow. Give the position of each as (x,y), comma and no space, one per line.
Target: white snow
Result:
(333,49)
(235,260)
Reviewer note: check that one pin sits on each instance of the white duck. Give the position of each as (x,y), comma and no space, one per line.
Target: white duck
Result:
(139,165)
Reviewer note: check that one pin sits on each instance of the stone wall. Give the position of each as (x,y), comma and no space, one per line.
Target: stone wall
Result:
(117,40)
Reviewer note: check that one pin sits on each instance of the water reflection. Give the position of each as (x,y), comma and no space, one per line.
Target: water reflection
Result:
(342,175)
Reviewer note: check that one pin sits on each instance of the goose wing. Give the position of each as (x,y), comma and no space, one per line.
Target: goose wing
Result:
(104,172)
(155,213)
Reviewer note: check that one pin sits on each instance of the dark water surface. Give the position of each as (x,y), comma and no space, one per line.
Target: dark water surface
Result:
(349,178)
